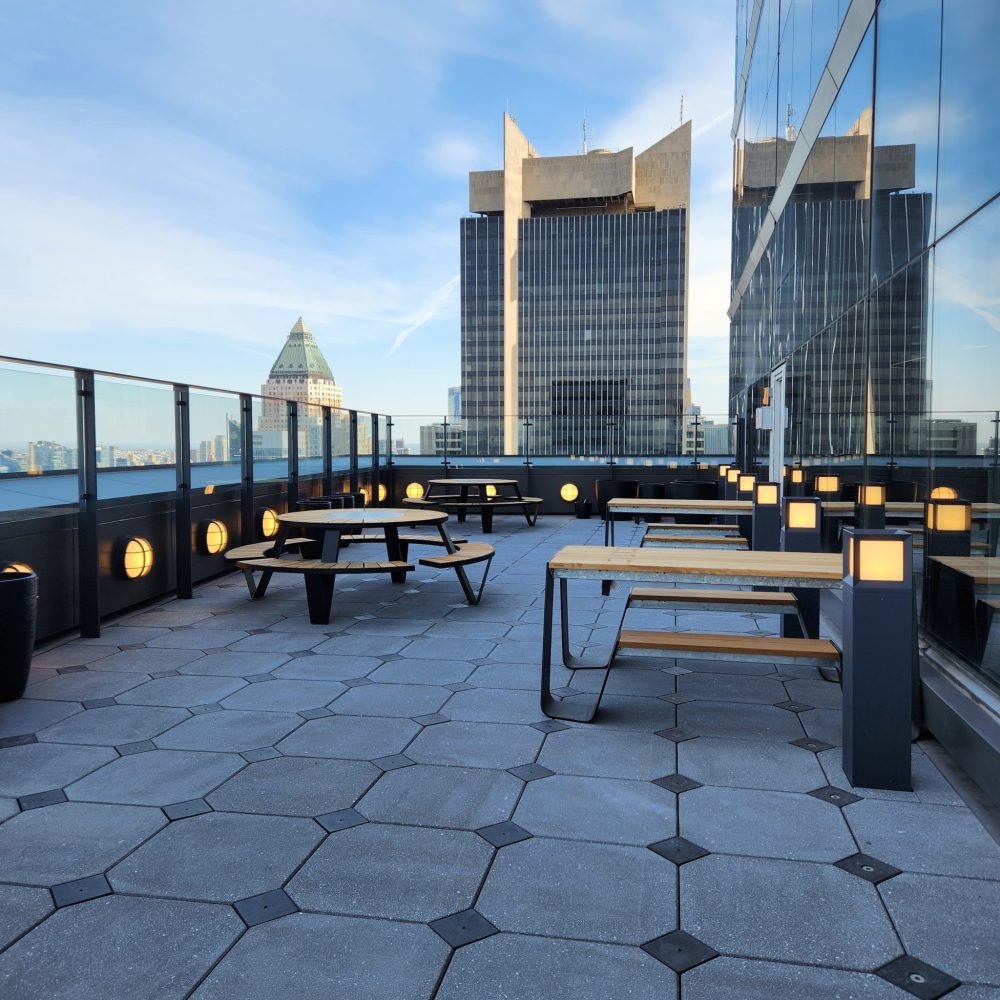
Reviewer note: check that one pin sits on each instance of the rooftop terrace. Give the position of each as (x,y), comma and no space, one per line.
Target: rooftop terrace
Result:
(217,799)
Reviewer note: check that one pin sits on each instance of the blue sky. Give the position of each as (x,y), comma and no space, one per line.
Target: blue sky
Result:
(182,180)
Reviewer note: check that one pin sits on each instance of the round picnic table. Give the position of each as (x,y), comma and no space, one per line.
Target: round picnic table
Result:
(328,526)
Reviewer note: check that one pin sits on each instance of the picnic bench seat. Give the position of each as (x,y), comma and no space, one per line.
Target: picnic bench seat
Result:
(261,550)
(721,542)
(745,601)
(712,646)
(319,577)
(486,506)
(682,528)
(405,541)
(467,554)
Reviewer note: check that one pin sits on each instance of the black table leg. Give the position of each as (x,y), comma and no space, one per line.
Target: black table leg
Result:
(394,550)
(319,596)
(463,497)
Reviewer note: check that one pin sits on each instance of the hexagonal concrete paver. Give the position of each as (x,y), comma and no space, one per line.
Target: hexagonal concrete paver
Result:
(235,664)
(749,980)
(86,686)
(25,716)
(476,744)
(147,661)
(924,837)
(393,700)
(326,956)
(399,872)
(743,721)
(33,844)
(229,731)
(451,648)
(182,691)
(816,914)
(765,824)
(600,892)
(605,809)
(119,948)
(425,795)
(21,908)
(519,967)
(966,948)
(351,737)
(156,778)
(219,857)
(327,668)
(295,786)
(749,764)
(285,696)
(413,671)
(39,767)
(114,725)
(494,705)
(606,753)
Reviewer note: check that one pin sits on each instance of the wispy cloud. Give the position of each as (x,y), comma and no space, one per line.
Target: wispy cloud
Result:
(433,308)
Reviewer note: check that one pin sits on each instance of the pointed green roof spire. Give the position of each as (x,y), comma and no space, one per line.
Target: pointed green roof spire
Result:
(301,355)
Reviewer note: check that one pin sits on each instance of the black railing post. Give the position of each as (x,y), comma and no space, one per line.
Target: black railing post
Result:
(182,501)
(444,444)
(248,529)
(353,476)
(86,525)
(293,453)
(376,476)
(327,451)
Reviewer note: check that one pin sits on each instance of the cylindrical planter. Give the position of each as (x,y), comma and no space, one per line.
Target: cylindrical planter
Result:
(614,489)
(18,612)
(694,489)
(583,509)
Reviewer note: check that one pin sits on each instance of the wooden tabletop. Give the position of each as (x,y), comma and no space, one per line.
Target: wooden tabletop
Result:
(471,482)
(680,506)
(368,517)
(983,569)
(779,568)
(915,509)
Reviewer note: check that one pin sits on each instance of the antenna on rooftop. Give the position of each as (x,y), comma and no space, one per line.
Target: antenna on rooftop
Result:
(790,130)
(682,109)
(583,146)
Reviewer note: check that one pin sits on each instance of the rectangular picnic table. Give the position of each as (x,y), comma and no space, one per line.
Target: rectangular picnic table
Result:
(662,566)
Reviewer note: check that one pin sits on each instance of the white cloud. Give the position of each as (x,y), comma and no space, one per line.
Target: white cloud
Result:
(455,156)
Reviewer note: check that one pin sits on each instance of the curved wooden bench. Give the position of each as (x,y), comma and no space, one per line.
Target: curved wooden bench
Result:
(711,646)
(467,555)
(260,550)
(319,577)
(405,541)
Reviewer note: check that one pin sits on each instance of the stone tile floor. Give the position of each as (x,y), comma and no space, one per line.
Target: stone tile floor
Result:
(217,799)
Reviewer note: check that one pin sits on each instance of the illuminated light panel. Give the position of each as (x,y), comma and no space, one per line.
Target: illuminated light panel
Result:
(828,484)
(944,493)
(569,492)
(872,496)
(414,491)
(268,523)
(802,514)
(949,517)
(878,560)
(216,537)
(137,559)
(766,494)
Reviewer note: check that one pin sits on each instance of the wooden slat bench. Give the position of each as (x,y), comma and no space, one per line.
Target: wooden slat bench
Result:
(467,555)
(721,543)
(711,646)
(680,528)
(405,541)
(529,507)
(319,577)
(743,601)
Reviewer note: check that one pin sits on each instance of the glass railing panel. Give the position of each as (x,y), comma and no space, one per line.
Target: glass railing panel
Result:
(38,443)
(136,450)
(216,438)
(311,431)
(269,418)
(340,430)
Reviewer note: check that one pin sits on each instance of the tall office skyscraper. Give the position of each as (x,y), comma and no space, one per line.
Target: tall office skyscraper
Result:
(574,300)
(299,373)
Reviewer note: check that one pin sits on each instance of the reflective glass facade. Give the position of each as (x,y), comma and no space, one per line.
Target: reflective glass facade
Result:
(865,235)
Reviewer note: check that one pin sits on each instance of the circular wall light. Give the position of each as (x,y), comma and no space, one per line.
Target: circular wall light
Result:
(136,559)
(414,491)
(213,537)
(491,491)
(268,522)
(366,492)
(383,492)
(944,493)
(15,567)
(569,492)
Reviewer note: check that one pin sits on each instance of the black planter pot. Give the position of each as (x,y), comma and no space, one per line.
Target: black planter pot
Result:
(694,489)
(615,489)
(18,612)
(583,509)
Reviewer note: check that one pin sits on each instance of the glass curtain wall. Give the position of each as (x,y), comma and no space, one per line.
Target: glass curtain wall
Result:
(865,235)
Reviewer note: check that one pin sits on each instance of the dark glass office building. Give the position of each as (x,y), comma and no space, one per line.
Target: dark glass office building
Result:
(574,276)
(865,328)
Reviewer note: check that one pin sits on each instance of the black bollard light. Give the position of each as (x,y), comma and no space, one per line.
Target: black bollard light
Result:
(802,532)
(869,508)
(766,518)
(744,491)
(879,647)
